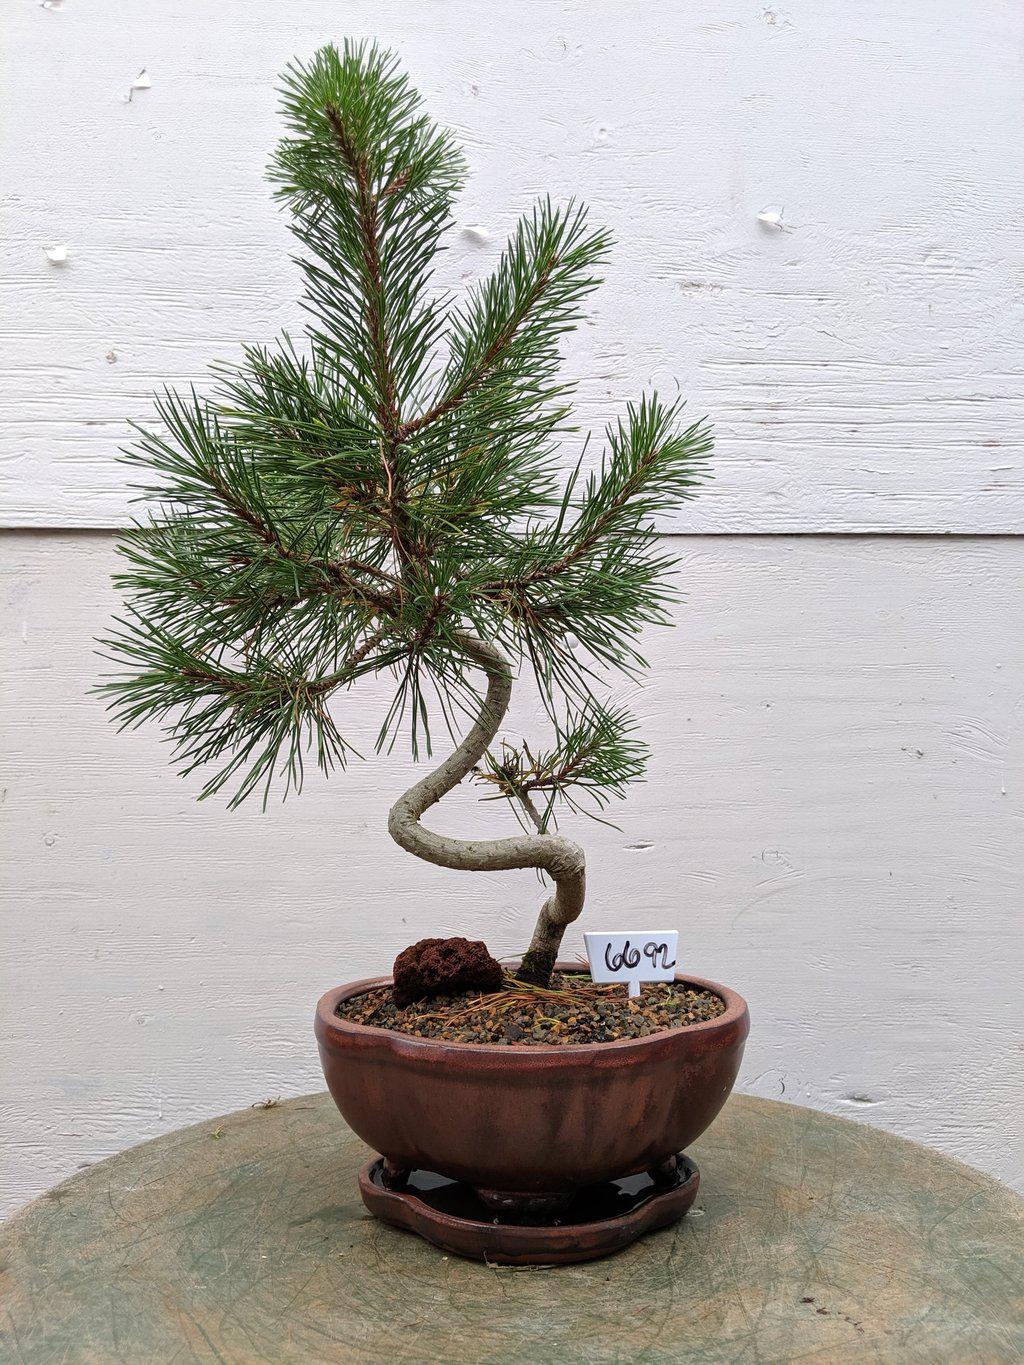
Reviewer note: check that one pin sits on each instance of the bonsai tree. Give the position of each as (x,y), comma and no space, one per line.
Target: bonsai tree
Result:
(387,498)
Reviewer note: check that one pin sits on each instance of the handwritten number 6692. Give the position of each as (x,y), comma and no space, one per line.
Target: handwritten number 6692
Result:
(629,957)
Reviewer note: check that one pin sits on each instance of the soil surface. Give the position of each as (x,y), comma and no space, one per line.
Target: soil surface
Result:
(574,1011)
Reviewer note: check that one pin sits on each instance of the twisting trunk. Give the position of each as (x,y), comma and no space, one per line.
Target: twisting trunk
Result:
(560,858)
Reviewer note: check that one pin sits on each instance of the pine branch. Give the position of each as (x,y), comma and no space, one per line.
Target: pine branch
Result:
(506,335)
(476,372)
(595,757)
(387,411)
(652,467)
(370,182)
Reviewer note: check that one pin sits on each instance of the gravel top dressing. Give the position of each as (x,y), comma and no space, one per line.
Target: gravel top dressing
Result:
(574,1011)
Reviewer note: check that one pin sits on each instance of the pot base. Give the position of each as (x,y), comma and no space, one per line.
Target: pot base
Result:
(599,1220)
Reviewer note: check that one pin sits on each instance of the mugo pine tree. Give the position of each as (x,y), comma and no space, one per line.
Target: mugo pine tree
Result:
(387,498)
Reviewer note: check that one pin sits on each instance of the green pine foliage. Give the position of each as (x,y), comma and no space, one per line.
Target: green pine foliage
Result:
(352,504)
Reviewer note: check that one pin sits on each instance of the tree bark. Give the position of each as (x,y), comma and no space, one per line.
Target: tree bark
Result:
(560,858)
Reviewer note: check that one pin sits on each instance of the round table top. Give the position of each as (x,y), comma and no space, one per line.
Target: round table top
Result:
(244,1239)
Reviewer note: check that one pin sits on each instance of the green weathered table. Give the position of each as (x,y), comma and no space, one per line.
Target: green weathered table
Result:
(243,1239)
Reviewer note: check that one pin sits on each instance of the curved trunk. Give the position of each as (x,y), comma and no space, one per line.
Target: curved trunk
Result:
(560,858)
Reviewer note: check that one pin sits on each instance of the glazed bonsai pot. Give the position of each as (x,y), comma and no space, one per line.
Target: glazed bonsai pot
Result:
(528,1125)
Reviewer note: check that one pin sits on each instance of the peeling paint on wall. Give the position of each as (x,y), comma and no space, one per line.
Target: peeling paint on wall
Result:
(772,218)
(141,82)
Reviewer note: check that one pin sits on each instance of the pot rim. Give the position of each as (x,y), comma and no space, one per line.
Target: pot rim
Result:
(736,1013)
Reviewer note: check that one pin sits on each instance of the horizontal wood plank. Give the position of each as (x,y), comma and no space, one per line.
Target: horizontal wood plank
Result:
(862,363)
(831,821)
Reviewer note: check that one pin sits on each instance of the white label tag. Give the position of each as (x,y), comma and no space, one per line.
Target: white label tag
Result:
(633,957)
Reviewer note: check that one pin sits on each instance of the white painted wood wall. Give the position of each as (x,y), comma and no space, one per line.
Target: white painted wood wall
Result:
(834,817)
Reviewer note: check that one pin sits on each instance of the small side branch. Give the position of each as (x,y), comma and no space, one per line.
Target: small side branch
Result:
(559,857)
(457,395)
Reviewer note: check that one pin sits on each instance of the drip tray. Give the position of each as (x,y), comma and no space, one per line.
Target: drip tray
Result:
(599,1219)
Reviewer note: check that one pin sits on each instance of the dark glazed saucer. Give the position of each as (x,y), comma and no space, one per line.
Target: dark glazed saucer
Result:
(599,1220)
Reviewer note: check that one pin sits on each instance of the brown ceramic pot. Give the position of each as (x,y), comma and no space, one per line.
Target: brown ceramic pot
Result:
(529,1120)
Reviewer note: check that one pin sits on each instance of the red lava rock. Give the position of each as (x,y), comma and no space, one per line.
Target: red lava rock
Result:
(444,966)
